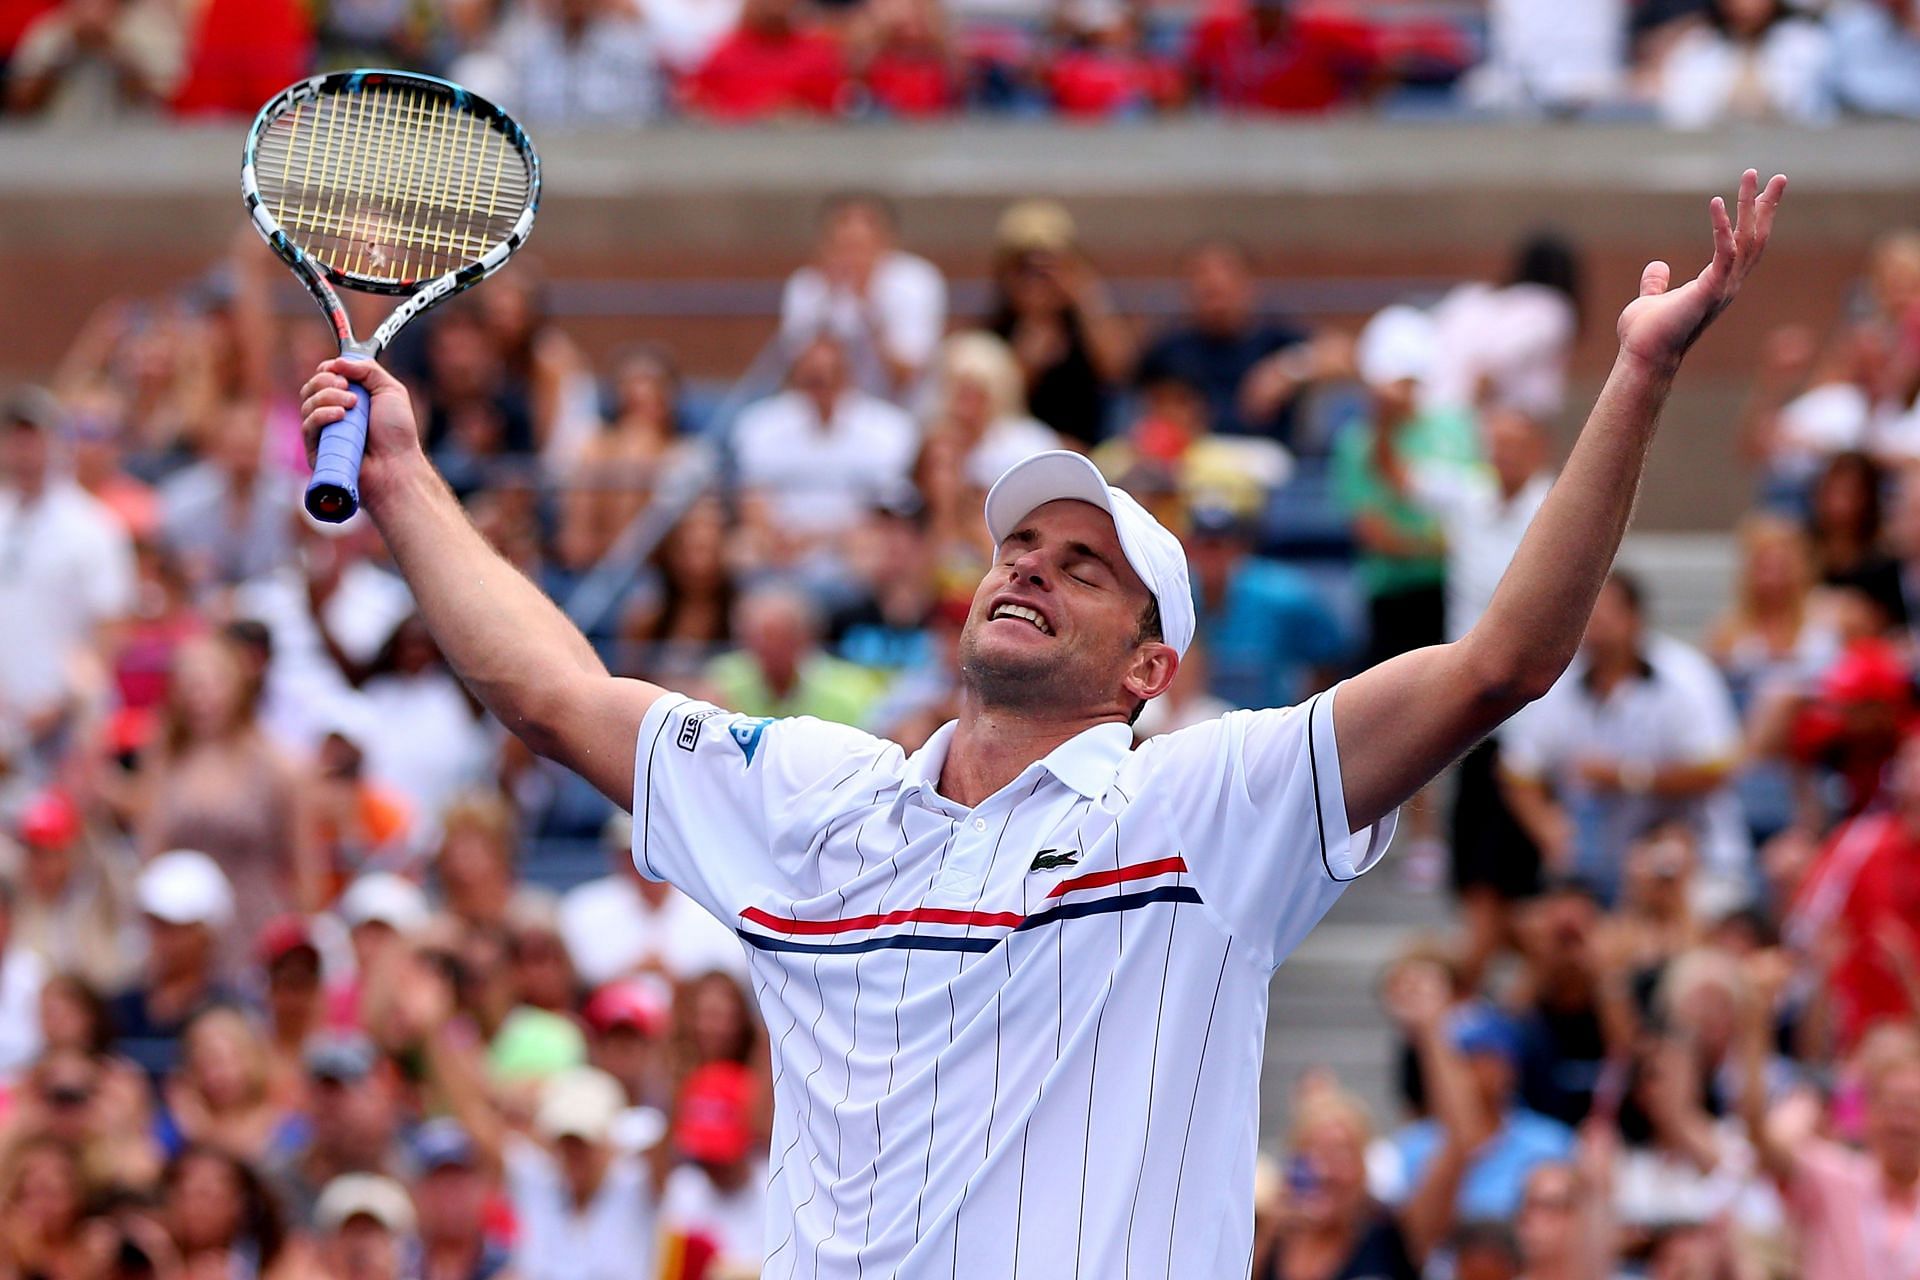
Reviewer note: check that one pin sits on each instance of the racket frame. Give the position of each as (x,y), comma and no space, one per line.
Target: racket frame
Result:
(323,281)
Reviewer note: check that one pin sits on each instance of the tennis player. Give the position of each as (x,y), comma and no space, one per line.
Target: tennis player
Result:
(1016,982)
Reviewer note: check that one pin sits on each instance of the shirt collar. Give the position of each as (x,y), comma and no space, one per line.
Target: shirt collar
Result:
(1086,762)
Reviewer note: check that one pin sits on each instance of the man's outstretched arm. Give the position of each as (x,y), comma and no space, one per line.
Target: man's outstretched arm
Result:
(511,645)
(1403,721)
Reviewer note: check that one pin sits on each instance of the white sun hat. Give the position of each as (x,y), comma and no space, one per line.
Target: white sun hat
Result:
(1155,554)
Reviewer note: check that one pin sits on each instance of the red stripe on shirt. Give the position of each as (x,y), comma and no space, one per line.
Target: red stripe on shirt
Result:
(910,915)
(1136,871)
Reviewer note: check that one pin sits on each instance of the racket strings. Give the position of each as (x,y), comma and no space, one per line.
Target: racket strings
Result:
(392,183)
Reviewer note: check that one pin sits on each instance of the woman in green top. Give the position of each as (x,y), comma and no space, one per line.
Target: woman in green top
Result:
(1402,564)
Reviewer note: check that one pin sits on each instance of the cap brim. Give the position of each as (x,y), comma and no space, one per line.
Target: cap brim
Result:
(1045,477)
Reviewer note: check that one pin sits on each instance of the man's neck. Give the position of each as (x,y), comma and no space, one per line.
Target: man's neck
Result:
(992,746)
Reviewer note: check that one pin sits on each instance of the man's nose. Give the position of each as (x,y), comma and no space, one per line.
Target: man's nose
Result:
(1032,568)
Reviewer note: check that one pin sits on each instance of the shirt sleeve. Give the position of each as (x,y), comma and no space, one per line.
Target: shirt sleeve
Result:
(725,806)
(1256,804)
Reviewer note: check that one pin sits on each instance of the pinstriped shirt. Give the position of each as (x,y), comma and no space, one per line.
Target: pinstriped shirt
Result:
(1021,1039)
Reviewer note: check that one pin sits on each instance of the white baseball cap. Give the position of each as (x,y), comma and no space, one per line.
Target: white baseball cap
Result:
(185,887)
(580,1102)
(364,1195)
(1155,554)
(384,898)
(1398,344)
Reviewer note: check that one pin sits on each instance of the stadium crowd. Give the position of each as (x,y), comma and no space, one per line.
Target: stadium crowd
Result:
(1688,63)
(301,973)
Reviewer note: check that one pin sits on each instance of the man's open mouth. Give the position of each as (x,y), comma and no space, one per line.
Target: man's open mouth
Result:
(1021,612)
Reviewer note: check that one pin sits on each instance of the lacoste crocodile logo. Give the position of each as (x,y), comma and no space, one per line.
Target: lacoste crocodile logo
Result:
(1049,859)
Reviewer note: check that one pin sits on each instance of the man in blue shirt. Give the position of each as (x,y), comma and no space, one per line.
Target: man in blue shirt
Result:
(1265,626)
(1249,370)
(1494,1182)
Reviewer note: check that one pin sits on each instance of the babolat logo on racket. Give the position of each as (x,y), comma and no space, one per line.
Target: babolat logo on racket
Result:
(1052,859)
(690,729)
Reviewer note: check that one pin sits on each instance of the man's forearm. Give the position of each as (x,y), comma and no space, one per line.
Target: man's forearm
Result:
(1539,612)
(503,637)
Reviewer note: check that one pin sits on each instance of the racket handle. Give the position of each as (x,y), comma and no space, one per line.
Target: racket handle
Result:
(333,495)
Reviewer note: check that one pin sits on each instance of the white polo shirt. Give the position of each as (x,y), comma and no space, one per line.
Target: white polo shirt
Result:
(1021,1039)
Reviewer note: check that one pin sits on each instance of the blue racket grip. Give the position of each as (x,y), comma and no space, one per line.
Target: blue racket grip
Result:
(333,495)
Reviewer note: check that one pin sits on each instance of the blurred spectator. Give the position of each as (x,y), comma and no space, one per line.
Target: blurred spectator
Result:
(71,904)
(978,398)
(884,621)
(219,1097)
(1267,55)
(1518,1140)
(1328,1224)
(91,62)
(687,610)
(425,738)
(1876,56)
(323,618)
(885,306)
(1553,58)
(1102,67)
(1639,731)
(627,1025)
(1855,1210)
(352,1123)
(1774,631)
(242,52)
(366,1229)
(907,60)
(459,1234)
(189,905)
(1402,565)
(720,1192)
(212,782)
(1753,60)
(1573,1003)
(228,515)
(812,457)
(1250,371)
(583,1205)
(1508,345)
(540,362)
(42,1202)
(1845,524)
(1269,634)
(293,1003)
(1052,309)
(568,62)
(358,824)
(480,417)
(775,63)
(614,474)
(780,669)
(223,1219)
(686,32)
(22,974)
(714,1021)
(1862,902)
(66,573)
(478,863)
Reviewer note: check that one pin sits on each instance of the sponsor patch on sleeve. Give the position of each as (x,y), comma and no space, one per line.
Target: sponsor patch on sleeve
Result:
(690,729)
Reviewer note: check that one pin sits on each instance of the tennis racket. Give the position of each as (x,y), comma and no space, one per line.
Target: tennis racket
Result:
(386,182)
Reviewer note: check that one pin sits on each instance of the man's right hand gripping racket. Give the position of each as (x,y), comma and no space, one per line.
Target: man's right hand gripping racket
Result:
(386,182)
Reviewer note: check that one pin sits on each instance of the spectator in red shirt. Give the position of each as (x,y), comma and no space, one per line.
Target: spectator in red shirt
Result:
(244,52)
(1104,70)
(1260,55)
(1865,896)
(909,66)
(774,64)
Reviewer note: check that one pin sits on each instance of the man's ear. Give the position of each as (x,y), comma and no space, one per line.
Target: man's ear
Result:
(1151,670)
